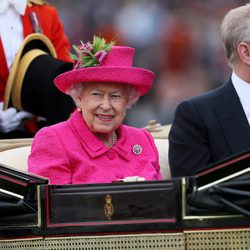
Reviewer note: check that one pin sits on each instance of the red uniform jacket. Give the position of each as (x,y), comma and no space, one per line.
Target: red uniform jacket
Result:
(51,27)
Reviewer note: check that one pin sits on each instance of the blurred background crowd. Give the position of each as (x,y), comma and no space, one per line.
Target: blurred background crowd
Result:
(179,40)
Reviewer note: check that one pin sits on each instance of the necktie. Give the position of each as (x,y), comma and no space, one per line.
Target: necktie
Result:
(17,4)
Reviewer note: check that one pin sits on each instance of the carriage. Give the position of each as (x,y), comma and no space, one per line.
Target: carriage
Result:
(207,211)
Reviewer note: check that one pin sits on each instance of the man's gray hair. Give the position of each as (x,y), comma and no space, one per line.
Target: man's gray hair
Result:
(235,28)
(132,94)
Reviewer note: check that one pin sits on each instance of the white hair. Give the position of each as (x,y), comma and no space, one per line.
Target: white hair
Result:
(132,94)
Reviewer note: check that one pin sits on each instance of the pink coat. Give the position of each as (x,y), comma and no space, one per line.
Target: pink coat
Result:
(69,153)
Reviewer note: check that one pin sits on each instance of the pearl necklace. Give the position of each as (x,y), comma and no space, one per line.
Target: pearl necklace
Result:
(114,138)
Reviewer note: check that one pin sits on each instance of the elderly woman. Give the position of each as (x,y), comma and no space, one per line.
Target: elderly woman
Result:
(93,146)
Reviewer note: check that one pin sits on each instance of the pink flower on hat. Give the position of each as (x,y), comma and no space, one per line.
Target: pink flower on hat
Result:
(89,55)
(100,55)
(85,48)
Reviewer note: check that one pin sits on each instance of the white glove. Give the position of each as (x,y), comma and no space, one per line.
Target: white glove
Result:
(10,119)
(131,179)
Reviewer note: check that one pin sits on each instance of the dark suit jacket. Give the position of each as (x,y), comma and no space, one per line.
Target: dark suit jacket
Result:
(206,129)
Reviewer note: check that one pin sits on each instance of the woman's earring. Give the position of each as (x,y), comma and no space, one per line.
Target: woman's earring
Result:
(79,110)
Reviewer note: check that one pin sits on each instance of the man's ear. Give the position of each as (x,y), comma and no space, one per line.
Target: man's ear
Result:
(243,50)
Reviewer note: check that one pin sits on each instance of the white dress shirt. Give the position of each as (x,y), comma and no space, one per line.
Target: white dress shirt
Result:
(11,28)
(243,90)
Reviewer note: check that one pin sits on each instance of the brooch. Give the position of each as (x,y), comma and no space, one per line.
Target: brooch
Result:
(137,149)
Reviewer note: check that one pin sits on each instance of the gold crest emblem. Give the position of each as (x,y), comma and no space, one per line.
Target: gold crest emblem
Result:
(108,207)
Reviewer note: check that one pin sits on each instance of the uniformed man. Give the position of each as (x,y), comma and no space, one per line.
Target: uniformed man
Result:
(18,19)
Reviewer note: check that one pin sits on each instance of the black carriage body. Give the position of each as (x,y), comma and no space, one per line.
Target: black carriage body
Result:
(31,207)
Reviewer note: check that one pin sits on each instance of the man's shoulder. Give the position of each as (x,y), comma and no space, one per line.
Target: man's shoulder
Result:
(204,102)
(209,96)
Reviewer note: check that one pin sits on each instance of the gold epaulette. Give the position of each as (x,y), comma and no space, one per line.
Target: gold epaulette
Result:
(37,2)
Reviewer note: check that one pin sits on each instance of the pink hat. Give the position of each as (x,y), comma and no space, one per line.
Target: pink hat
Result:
(116,67)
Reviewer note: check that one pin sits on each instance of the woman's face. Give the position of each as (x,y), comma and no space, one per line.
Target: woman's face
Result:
(103,106)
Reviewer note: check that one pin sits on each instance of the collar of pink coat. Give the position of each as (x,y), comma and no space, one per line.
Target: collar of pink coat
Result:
(92,144)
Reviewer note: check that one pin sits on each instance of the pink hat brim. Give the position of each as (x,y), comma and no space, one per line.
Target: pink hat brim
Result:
(140,78)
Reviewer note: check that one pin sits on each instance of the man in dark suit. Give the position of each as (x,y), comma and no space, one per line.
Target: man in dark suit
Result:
(215,125)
